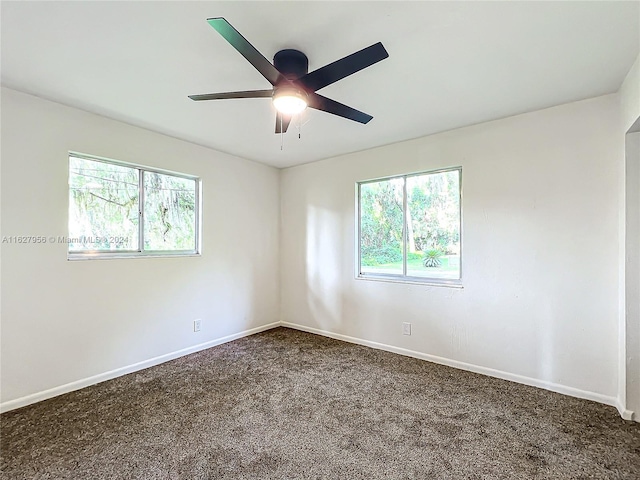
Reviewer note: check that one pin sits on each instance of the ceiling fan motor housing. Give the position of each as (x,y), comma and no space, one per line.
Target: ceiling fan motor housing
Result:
(292,63)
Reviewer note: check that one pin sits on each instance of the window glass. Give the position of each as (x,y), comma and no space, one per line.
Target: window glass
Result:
(409,226)
(433,225)
(130,210)
(103,206)
(381,226)
(169,212)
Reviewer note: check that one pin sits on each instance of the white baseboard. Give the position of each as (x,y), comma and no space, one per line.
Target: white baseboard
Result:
(86,382)
(624,413)
(118,372)
(534,382)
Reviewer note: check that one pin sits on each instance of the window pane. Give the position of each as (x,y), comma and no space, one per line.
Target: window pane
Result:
(169,212)
(381,226)
(103,206)
(433,225)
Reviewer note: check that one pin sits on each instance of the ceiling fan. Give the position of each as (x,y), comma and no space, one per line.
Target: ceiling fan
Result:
(294,87)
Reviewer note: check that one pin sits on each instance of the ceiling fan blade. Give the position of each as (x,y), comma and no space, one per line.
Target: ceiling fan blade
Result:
(282,122)
(247,50)
(331,106)
(344,67)
(222,96)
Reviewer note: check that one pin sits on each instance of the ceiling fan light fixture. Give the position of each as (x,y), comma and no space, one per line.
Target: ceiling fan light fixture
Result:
(289,101)
(294,87)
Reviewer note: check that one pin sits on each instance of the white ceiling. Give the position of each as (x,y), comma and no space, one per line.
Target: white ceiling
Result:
(451,64)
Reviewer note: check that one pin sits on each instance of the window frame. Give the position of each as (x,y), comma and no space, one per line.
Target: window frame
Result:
(140,252)
(403,277)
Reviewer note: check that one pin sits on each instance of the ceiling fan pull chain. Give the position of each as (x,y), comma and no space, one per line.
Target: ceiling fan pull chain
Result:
(281,135)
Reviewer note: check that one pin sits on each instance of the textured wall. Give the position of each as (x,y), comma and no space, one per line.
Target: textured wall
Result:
(540,256)
(64,321)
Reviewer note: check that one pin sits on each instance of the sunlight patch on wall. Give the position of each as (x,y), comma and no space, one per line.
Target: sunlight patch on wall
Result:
(324,261)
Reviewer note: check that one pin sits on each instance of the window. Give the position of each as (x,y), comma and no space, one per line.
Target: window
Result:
(117,209)
(409,227)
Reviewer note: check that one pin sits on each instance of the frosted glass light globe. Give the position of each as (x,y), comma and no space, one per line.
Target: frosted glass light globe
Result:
(289,102)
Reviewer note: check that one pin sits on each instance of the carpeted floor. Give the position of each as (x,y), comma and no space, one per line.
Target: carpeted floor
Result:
(285,404)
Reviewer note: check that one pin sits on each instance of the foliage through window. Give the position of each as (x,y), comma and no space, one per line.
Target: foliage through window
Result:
(409,226)
(129,210)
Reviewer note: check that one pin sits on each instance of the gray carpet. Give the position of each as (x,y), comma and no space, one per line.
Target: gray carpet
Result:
(286,404)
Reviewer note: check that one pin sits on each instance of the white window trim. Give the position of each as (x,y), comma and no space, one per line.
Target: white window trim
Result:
(403,277)
(141,253)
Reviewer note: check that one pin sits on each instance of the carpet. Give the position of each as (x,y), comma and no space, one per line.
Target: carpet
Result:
(284,404)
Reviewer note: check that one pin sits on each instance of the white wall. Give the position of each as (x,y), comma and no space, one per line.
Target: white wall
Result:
(64,321)
(632,274)
(540,240)
(629,256)
(630,96)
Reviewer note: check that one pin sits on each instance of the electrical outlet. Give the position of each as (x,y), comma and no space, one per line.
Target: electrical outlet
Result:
(406,328)
(197,324)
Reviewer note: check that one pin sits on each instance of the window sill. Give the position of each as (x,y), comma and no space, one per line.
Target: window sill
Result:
(429,282)
(111,256)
